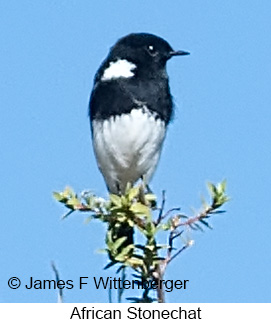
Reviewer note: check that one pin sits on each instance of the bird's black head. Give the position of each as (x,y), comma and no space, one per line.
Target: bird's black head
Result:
(149,53)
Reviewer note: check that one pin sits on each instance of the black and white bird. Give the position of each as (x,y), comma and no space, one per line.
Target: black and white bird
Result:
(130,109)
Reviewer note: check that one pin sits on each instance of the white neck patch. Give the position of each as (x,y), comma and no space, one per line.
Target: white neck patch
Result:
(120,68)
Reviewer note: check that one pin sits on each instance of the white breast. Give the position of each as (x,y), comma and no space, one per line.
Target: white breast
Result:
(127,147)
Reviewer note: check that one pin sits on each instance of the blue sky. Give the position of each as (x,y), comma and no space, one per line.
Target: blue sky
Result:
(50,51)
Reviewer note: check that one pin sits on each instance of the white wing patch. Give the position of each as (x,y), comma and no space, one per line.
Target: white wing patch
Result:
(127,147)
(120,68)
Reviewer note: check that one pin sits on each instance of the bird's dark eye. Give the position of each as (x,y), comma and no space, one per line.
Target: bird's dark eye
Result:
(151,50)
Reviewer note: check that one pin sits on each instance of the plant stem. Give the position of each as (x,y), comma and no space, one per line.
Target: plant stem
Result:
(160,288)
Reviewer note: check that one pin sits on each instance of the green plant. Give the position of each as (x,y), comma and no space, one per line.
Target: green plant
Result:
(137,210)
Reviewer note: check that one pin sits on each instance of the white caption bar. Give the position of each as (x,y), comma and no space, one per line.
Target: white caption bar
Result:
(98,312)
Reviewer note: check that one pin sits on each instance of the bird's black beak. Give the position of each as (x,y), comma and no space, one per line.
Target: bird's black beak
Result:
(178,53)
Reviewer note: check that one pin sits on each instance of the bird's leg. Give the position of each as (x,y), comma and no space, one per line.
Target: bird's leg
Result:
(148,190)
(118,188)
(142,192)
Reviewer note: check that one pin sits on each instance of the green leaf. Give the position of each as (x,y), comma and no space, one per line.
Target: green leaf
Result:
(139,246)
(118,243)
(138,256)
(206,224)
(112,263)
(73,202)
(196,226)
(212,189)
(183,216)
(68,192)
(59,197)
(67,214)
(134,262)
(221,187)
(161,246)
(141,300)
(163,227)
(150,197)
(115,200)
(118,212)
(204,203)
(90,200)
(150,228)
(128,188)
(150,247)
(108,239)
(140,208)
(133,193)
(131,223)
(137,276)
(134,299)
(125,252)
(120,258)
(101,250)
(120,268)
(158,258)
(88,219)
(218,212)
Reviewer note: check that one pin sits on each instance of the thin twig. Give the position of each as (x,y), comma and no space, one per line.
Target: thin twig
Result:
(110,295)
(167,214)
(83,208)
(170,211)
(196,218)
(158,275)
(121,289)
(162,207)
(177,235)
(60,291)
(177,253)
